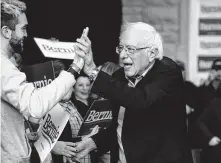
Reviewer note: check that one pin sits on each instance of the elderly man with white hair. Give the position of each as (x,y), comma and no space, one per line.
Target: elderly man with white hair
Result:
(148,111)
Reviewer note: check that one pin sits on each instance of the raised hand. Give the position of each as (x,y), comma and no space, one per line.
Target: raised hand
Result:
(84,51)
(214,141)
(79,62)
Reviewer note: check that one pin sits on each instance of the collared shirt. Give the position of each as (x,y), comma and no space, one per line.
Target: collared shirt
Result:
(139,78)
(122,158)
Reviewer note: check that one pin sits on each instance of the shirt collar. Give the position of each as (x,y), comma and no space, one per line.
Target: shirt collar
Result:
(135,80)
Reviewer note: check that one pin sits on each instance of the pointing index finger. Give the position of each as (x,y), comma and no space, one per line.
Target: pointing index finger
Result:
(86,30)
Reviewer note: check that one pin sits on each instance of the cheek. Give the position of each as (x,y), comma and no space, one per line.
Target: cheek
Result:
(136,65)
(18,35)
(77,94)
(144,62)
(76,90)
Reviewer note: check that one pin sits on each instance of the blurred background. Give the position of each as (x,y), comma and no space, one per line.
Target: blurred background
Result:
(179,22)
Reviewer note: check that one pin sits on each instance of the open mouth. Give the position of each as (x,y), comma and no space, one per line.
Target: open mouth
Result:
(84,93)
(127,65)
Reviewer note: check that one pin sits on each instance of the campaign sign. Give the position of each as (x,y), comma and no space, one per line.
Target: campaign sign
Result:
(40,74)
(205,62)
(210,27)
(56,49)
(99,114)
(50,130)
(55,120)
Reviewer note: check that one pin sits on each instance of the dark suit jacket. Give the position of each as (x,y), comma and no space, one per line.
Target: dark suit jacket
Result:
(154,128)
(210,125)
(198,98)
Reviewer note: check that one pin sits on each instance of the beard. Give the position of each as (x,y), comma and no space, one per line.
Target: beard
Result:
(17,44)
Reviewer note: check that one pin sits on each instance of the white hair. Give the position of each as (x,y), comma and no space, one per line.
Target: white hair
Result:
(151,36)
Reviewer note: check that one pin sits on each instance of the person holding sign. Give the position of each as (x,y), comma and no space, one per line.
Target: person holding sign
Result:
(149,119)
(18,97)
(64,148)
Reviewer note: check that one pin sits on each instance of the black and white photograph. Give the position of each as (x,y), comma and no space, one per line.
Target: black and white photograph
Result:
(110,81)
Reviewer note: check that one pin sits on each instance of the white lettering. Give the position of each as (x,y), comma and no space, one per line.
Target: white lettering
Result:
(205,64)
(98,116)
(42,83)
(211,44)
(209,9)
(210,27)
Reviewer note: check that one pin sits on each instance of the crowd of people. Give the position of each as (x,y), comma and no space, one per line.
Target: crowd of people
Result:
(157,116)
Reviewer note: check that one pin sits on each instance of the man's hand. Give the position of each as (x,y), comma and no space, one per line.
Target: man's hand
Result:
(84,148)
(79,62)
(64,148)
(214,141)
(84,51)
(189,109)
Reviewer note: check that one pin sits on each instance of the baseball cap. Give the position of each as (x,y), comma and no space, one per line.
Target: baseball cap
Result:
(216,64)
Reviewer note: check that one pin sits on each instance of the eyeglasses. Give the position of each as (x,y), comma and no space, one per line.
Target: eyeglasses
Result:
(128,49)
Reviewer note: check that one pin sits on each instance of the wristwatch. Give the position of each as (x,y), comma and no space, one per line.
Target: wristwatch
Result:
(74,69)
(93,74)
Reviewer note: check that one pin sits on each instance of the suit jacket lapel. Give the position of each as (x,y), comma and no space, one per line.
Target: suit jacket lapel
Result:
(149,76)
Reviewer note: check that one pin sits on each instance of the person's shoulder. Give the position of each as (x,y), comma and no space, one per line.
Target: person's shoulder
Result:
(190,84)
(169,63)
(8,68)
(119,74)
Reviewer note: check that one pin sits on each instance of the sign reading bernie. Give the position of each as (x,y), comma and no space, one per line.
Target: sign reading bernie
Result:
(56,49)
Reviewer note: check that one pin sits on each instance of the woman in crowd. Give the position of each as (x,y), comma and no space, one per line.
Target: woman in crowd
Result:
(78,105)
(80,97)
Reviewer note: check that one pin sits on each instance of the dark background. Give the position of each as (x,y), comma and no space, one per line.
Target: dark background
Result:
(66,19)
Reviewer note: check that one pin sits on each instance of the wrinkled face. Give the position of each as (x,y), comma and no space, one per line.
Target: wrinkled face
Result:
(81,88)
(137,63)
(19,34)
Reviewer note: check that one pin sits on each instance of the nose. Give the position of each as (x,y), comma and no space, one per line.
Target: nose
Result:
(85,88)
(123,54)
(25,33)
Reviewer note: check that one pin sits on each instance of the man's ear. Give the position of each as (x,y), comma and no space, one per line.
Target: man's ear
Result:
(6,32)
(153,53)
